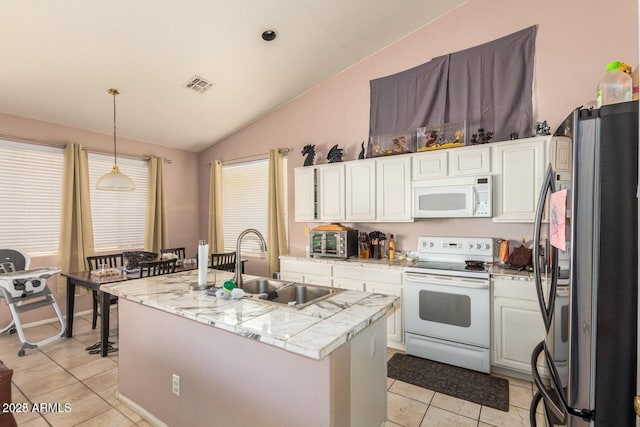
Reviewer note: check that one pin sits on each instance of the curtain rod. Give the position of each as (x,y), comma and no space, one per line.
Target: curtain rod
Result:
(283,151)
(62,145)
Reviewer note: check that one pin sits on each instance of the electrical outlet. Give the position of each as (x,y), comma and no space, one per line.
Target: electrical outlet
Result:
(306,231)
(175,384)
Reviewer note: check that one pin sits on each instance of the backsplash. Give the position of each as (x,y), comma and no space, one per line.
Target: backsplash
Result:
(406,234)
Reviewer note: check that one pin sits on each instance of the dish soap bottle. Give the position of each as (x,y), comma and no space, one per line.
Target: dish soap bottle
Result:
(392,248)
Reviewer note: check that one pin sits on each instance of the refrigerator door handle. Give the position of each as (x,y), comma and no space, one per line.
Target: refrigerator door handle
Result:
(548,185)
(557,406)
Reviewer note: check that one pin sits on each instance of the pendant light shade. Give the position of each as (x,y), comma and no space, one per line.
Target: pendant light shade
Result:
(115,180)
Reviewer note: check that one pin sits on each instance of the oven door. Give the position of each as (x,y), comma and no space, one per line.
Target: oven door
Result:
(450,308)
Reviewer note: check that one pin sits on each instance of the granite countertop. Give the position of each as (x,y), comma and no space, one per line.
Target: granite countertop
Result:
(358,262)
(313,331)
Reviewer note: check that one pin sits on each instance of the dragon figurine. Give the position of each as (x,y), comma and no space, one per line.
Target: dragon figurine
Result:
(335,154)
(309,150)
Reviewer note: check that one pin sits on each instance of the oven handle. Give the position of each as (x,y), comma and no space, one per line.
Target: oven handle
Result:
(457,282)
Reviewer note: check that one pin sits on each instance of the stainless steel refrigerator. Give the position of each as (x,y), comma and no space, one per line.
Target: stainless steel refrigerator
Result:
(603,274)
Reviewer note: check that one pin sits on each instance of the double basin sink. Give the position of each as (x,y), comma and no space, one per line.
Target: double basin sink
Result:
(286,293)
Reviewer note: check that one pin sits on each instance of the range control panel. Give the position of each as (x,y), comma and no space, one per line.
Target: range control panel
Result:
(465,247)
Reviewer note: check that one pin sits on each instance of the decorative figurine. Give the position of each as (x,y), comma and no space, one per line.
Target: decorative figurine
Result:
(334,155)
(542,128)
(361,155)
(309,150)
(481,137)
(513,136)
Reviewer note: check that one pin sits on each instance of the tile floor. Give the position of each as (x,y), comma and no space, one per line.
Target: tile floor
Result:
(63,372)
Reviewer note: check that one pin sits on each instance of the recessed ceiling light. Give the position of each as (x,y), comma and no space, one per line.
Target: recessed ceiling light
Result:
(269,35)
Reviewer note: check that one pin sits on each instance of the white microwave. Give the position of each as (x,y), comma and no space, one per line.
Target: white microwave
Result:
(460,197)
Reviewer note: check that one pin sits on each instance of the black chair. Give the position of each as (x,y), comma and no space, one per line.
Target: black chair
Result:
(94,262)
(225,261)
(180,252)
(156,268)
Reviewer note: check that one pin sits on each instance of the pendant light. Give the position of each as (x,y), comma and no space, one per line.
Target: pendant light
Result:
(115,180)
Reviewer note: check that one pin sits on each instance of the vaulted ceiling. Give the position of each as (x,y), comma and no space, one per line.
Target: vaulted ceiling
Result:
(58,58)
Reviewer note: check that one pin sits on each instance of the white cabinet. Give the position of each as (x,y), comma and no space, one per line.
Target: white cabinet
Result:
(319,193)
(393,183)
(315,273)
(360,190)
(376,280)
(305,194)
(331,192)
(519,168)
(471,160)
(517,324)
(429,164)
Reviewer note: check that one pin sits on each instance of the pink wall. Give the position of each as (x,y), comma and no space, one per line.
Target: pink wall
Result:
(574,43)
(180,180)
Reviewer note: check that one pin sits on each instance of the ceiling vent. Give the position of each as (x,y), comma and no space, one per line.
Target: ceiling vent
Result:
(198,84)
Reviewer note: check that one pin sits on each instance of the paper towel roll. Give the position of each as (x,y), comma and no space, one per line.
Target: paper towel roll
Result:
(203,257)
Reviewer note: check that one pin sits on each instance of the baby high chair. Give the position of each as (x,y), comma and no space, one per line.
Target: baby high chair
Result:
(26,290)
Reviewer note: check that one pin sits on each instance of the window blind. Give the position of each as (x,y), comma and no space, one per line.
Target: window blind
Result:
(245,189)
(31,189)
(118,216)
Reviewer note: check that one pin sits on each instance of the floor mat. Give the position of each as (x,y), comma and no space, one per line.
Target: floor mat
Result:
(458,382)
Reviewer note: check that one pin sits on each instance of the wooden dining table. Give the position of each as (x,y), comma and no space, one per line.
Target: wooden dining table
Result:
(93,282)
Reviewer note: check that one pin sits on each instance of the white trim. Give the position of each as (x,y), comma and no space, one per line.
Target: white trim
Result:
(140,410)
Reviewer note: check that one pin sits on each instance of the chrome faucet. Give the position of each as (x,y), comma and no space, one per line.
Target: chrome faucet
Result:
(237,277)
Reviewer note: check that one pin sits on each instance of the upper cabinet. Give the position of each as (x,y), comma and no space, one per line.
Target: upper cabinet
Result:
(463,161)
(331,192)
(361,190)
(393,183)
(305,194)
(519,167)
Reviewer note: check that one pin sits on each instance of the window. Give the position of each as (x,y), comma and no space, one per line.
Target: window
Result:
(118,216)
(245,191)
(31,189)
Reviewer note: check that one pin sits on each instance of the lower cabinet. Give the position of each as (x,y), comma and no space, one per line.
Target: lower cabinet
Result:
(314,273)
(356,278)
(380,281)
(517,324)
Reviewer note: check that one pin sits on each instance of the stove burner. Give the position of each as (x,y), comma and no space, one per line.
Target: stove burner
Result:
(474,267)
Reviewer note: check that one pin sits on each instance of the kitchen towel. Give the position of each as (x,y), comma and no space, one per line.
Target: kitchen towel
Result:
(203,256)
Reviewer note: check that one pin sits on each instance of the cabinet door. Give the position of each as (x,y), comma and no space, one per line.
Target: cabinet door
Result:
(519,170)
(518,328)
(316,279)
(344,283)
(305,194)
(393,184)
(361,190)
(431,164)
(331,192)
(560,154)
(470,161)
(291,276)
(395,330)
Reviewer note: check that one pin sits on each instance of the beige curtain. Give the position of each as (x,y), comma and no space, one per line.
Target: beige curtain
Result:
(156,234)
(215,236)
(76,227)
(276,227)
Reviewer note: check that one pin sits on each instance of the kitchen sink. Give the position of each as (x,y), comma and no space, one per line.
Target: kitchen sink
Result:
(293,294)
(261,285)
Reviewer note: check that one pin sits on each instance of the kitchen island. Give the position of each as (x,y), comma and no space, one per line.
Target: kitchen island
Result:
(188,358)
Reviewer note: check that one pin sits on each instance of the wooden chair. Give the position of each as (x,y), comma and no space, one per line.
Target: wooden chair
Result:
(94,262)
(155,268)
(178,251)
(225,261)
